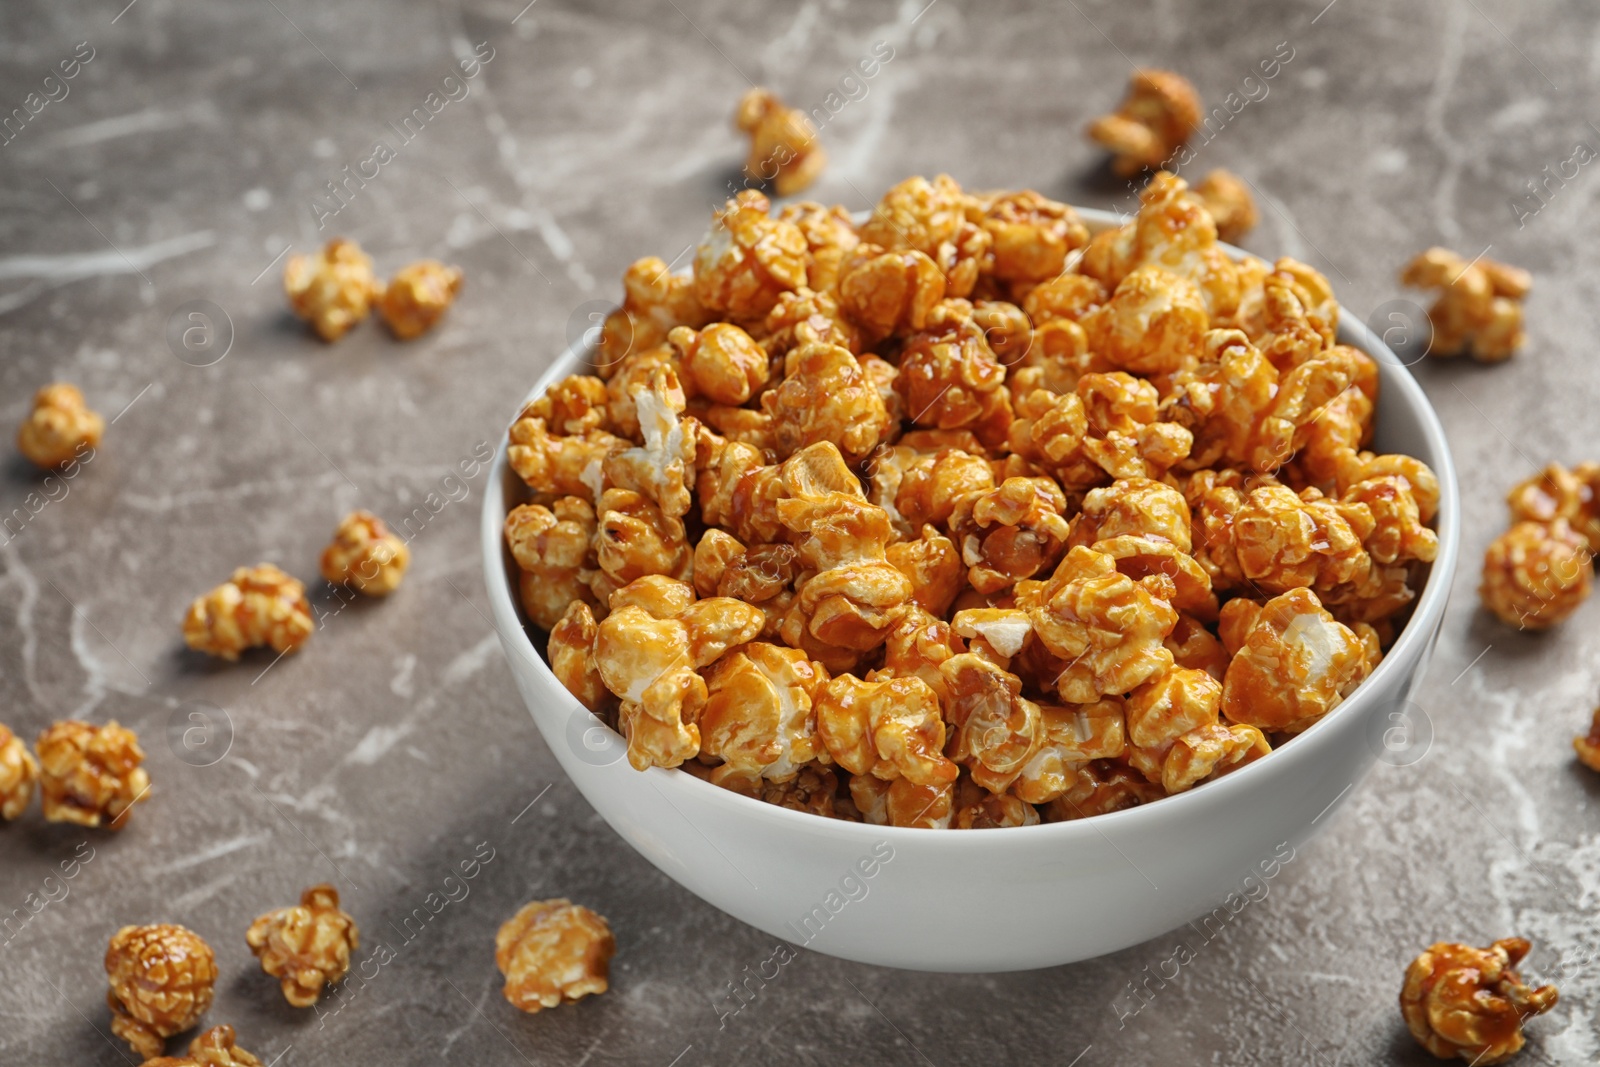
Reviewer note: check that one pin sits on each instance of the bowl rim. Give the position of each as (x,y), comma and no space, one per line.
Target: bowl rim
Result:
(1410,649)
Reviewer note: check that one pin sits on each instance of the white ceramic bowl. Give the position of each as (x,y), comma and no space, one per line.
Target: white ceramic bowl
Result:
(1005,899)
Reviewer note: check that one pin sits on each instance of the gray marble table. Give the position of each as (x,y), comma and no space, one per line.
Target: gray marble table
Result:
(187,155)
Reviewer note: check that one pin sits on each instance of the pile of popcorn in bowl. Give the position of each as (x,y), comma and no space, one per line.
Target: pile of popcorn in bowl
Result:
(956,517)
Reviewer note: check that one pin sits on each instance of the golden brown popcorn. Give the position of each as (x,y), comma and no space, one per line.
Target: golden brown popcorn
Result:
(417,297)
(1397,532)
(654,302)
(931,218)
(1153,323)
(1283,540)
(1011,532)
(950,378)
(635,538)
(1126,437)
(1536,574)
(1479,311)
(1153,121)
(552,952)
(888,293)
(60,428)
(759,716)
(332,290)
(978,809)
(995,730)
(1070,737)
(1031,236)
(662,468)
(216,1047)
(918,646)
(1107,625)
(1557,493)
(1047,427)
(18,773)
(886,727)
(749,259)
(933,565)
(902,802)
(556,465)
(571,651)
(162,980)
(576,403)
(1293,316)
(305,946)
(1227,197)
(918,487)
(721,362)
(802,317)
(1588,746)
(1210,752)
(552,548)
(1197,648)
(783,142)
(1470,1003)
(831,236)
(1099,787)
(1133,506)
(365,554)
(1173,231)
(90,775)
(825,396)
(1295,665)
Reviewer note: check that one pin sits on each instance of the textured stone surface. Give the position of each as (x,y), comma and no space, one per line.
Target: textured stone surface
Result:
(184,159)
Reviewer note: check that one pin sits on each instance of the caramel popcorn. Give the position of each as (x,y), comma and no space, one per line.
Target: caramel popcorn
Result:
(90,775)
(783,142)
(1227,197)
(162,980)
(60,428)
(961,518)
(365,554)
(1559,493)
(1153,121)
(553,951)
(333,289)
(1470,1003)
(258,605)
(1479,311)
(417,297)
(305,946)
(18,773)
(1537,574)
(216,1047)
(1586,745)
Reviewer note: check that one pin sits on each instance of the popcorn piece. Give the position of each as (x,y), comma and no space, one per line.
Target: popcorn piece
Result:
(553,952)
(305,946)
(749,259)
(654,302)
(552,549)
(721,362)
(635,538)
(888,293)
(161,979)
(931,218)
(1557,493)
(1153,121)
(662,468)
(996,729)
(934,567)
(18,773)
(1296,664)
(808,316)
(1153,323)
(1107,625)
(571,651)
(886,727)
(1070,737)
(1470,1003)
(365,554)
(1100,787)
(758,716)
(417,297)
(950,378)
(1138,507)
(1210,752)
(1535,574)
(1479,311)
(90,775)
(1031,236)
(978,809)
(902,802)
(783,142)
(918,487)
(1587,746)
(1195,647)
(1227,197)
(60,428)
(918,646)
(1011,532)
(830,236)
(216,1047)
(332,290)
(1175,232)
(854,594)
(825,396)
(1125,436)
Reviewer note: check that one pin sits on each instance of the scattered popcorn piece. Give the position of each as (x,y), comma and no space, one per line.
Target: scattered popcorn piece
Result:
(60,428)
(1153,121)
(1537,574)
(1470,1003)
(305,946)
(365,554)
(1227,197)
(258,605)
(333,289)
(216,1047)
(417,297)
(19,771)
(1559,493)
(90,775)
(783,142)
(1479,311)
(552,952)
(162,980)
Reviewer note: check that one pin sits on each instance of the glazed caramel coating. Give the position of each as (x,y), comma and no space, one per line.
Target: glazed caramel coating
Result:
(162,979)
(1536,574)
(332,289)
(749,261)
(90,775)
(553,952)
(306,946)
(886,727)
(417,297)
(1296,663)
(365,554)
(1470,1003)
(61,427)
